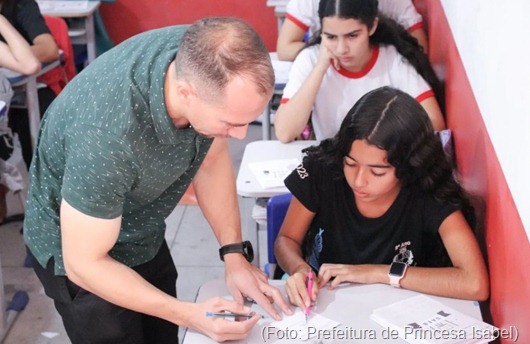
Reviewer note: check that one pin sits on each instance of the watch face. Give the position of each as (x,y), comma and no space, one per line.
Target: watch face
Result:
(397,269)
(249,251)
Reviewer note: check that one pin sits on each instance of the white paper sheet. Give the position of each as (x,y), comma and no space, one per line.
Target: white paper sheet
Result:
(421,319)
(271,173)
(296,323)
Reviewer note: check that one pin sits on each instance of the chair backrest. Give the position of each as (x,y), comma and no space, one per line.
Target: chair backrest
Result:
(276,210)
(58,77)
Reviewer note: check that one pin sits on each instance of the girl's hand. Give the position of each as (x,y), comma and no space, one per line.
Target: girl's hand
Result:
(325,58)
(340,273)
(296,287)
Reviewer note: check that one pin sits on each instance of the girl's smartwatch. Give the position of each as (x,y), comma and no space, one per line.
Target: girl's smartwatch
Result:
(396,272)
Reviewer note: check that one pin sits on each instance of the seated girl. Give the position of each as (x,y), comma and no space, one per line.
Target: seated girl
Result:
(302,18)
(357,51)
(379,203)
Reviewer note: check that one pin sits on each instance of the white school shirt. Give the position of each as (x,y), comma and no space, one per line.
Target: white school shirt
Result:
(304,13)
(341,89)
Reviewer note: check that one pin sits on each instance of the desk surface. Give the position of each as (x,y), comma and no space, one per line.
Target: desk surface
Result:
(17,79)
(247,183)
(350,305)
(67,9)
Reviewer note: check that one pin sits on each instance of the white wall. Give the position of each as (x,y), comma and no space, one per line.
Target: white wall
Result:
(493,39)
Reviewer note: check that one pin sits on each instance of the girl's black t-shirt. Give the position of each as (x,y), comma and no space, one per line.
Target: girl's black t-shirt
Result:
(339,233)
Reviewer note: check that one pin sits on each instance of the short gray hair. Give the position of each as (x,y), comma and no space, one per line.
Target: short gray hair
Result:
(214,50)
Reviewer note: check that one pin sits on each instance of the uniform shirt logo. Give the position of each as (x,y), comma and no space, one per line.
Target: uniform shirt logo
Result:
(302,172)
(404,254)
(318,244)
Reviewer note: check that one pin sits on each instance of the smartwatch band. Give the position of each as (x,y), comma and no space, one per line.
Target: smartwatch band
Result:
(245,248)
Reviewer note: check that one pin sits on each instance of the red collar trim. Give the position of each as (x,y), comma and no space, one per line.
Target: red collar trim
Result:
(366,70)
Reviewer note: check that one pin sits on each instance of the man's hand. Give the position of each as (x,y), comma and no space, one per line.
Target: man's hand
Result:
(220,329)
(244,279)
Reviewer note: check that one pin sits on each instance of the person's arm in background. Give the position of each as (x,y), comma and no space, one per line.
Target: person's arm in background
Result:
(16,53)
(290,41)
(45,48)
(301,16)
(292,116)
(30,20)
(215,188)
(435,113)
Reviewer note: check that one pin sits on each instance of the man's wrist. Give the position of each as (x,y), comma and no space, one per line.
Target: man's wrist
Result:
(244,248)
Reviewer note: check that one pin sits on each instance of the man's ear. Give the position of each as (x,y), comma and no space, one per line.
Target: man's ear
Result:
(185,91)
(374,26)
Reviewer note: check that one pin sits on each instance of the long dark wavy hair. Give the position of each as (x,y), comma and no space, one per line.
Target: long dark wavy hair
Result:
(388,32)
(394,121)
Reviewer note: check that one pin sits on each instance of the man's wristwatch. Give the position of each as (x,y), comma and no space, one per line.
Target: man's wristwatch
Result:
(396,272)
(245,248)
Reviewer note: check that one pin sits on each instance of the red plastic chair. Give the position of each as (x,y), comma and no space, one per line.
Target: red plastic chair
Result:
(57,78)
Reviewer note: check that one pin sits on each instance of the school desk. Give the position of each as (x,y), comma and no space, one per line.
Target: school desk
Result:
(281,74)
(85,32)
(28,85)
(350,304)
(249,187)
(280,9)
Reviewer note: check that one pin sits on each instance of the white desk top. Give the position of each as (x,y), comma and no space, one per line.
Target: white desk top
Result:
(350,305)
(257,151)
(279,5)
(281,71)
(67,9)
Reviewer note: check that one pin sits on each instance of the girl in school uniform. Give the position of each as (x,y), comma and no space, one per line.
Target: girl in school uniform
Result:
(302,17)
(357,51)
(379,203)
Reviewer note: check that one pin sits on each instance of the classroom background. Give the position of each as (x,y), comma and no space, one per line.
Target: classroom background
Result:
(480,49)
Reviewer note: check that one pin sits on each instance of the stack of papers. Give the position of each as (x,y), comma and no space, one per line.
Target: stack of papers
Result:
(423,320)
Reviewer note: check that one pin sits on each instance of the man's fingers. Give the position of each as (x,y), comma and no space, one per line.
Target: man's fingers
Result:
(276,296)
(264,302)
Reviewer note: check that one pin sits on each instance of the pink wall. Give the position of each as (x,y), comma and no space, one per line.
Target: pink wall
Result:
(125,18)
(504,238)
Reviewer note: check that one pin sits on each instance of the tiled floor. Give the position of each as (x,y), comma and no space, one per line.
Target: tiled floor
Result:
(193,248)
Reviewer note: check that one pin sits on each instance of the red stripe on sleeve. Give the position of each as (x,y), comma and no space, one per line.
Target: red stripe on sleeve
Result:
(415,27)
(425,95)
(297,22)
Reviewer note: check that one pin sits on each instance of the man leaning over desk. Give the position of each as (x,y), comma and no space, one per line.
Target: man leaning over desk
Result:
(116,152)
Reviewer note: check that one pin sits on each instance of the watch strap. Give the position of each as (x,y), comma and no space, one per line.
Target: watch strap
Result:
(245,248)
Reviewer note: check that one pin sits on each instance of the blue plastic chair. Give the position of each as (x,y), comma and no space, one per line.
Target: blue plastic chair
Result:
(276,210)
